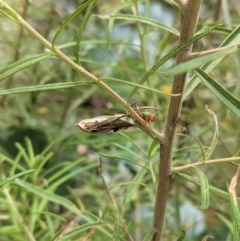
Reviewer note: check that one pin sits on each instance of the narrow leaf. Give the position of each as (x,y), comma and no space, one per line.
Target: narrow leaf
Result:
(236,218)
(214,141)
(217,191)
(15,67)
(149,235)
(133,186)
(142,19)
(46,87)
(234,204)
(168,56)
(76,232)
(20,174)
(58,199)
(204,189)
(124,82)
(45,194)
(154,147)
(197,62)
(69,19)
(82,28)
(224,95)
(232,38)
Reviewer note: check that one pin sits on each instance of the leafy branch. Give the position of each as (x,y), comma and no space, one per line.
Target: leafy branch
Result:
(12,14)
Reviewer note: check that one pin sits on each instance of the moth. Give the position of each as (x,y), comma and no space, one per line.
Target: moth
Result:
(102,124)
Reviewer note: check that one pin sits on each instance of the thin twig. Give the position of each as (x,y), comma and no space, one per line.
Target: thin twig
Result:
(114,203)
(204,163)
(211,51)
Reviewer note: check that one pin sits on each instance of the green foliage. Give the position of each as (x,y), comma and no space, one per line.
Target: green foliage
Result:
(57,183)
(228,99)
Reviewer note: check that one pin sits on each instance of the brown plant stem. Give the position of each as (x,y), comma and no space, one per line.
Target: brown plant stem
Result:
(189,18)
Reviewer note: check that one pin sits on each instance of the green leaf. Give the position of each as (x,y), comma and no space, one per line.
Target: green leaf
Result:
(236,219)
(132,141)
(197,62)
(204,189)
(224,95)
(58,199)
(142,19)
(46,87)
(50,196)
(234,205)
(65,174)
(217,191)
(69,19)
(82,28)
(76,232)
(120,158)
(20,174)
(149,235)
(168,56)
(133,187)
(214,141)
(124,82)
(15,67)
(232,38)
(154,147)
